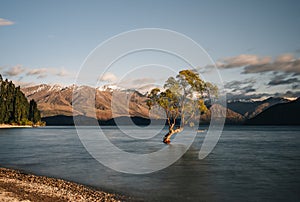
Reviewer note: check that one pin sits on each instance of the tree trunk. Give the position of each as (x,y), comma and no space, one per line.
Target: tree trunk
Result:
(167,138)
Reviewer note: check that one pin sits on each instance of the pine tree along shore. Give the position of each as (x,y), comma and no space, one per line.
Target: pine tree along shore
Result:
(15,108)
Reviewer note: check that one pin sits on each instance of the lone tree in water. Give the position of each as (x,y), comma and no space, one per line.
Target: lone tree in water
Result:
(183,100)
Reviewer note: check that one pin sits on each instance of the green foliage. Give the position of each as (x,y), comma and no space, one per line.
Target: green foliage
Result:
(183,97)
(34,114)
(14,107)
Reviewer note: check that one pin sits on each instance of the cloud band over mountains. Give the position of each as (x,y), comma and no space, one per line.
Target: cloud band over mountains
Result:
(282,72)
(19,70)
(280,80)
(286,63)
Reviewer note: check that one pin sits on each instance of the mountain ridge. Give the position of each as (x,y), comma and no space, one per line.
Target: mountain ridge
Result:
(56,100)
(280,114)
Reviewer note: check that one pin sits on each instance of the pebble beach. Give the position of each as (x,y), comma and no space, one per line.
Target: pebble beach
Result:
(18,186)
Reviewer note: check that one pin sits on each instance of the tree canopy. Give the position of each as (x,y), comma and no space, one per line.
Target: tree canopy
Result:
(14,106)
(182,99)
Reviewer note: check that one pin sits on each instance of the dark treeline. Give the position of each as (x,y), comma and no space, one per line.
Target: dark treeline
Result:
(14,106)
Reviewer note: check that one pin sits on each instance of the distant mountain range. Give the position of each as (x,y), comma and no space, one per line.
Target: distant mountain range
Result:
(279,114)
(55,104)
(250,109)
(56,100)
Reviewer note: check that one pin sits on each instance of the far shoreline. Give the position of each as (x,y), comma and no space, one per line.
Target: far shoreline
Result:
(15,126)
(7,126)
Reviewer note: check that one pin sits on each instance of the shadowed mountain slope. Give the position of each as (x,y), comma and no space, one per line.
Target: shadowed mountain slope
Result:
(280,114)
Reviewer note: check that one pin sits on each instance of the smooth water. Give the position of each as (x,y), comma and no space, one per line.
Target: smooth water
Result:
(249,163)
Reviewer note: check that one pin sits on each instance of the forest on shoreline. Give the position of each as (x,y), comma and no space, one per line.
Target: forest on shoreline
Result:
(15,108)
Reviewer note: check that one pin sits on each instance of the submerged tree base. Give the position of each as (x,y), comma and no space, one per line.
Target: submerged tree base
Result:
(167,138)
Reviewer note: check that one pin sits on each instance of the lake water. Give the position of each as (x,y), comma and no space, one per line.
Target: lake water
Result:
(249,163)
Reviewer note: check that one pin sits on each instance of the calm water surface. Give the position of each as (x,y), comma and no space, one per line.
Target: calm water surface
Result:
(248,164)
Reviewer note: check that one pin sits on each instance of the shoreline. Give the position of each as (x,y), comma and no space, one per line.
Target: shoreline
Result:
(14,126)
(16,185)
(5,126)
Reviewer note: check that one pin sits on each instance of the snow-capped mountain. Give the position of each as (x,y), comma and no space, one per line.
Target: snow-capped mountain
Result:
(111,101)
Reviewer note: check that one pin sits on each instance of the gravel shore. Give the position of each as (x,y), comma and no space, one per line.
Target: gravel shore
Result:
(17,186)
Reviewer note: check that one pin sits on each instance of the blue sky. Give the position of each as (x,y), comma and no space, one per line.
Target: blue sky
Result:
(47,41)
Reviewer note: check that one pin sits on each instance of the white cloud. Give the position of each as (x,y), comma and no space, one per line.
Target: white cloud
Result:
(108,77)
(62,73)
(284,58)
(5,22)
(240,86)
(44,72)
(242,60)
(14,71)
(38,71)
(140,84)
(285,64)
